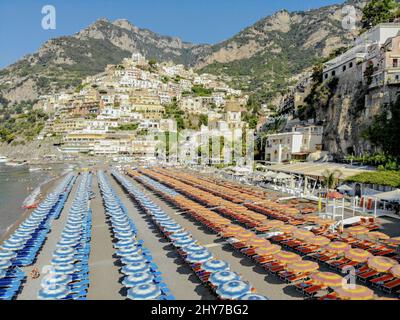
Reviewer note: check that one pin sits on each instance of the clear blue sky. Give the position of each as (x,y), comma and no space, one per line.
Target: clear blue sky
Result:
(197,21)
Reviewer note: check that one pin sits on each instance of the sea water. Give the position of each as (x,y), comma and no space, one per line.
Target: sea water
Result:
(19,186)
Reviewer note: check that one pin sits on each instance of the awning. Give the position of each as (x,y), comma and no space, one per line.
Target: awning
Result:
(393,196)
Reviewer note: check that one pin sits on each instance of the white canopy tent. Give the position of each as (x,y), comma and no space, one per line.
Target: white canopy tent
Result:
(391,196)
(345,188)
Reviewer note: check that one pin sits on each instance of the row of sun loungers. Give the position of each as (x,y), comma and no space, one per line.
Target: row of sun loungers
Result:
(298,246)
(141,276)
(214,273)
(68,277)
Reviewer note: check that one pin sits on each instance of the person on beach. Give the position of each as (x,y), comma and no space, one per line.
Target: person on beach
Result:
(35,273)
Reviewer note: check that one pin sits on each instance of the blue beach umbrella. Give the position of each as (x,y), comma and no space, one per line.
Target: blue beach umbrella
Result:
(121,223)
(137,279)
(5,263)
(215,266)
(3,273)
(27,229)
(67,243)
(124,235)
(123,228)
(221,277)
(55,293)
(7,254)
(179,235)
(15,246)
(233,289)
(54,278)
(22,235)
(184,242)
(132,259)
(74,235)
(252,296)
(134,268)
(126,251)
(193,248)
(64,251)
(199,257)
(64,268)
(124,243)
(167,224)
(144,292)
(173,228)
(63,259)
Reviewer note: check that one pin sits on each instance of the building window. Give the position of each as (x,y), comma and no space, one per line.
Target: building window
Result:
(395,63)
(344,68)
(333,73)
(326,76)
(351,65)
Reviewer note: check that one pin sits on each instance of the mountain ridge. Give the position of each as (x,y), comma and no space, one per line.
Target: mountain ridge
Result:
(262,57)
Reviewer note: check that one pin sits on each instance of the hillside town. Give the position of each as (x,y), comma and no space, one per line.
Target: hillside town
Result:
(120,110)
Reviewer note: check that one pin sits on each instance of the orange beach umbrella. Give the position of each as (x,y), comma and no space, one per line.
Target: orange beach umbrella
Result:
(327,279)
(395,270)
(354,292)
(393,241)
(286,257)
(337,246)
(377,235)
(381,264)
(268,250)
(303,266)
(357,255)
(287,228)
(318,241)
(257,242)
(271,224)
(302,234)
(356,230)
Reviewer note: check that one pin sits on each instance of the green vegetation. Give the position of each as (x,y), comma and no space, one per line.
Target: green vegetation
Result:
(385,178)
(380,160)
(24,126)
(253,111)
(203,120)
(384,132)
(200,91)
(378,11)
(172,111)
(331,178)
(128,127)
(319,97)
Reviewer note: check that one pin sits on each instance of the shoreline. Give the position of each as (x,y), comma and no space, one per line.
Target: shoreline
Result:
(45,188)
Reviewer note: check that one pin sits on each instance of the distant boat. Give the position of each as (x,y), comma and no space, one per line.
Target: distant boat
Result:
(3,159)
(35,169)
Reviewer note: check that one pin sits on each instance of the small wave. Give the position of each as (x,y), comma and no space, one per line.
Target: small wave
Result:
(5,230)
(31,198)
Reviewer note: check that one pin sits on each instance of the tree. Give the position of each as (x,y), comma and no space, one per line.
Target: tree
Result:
(385,130)
(378,11)
(331,178)
(152,63)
